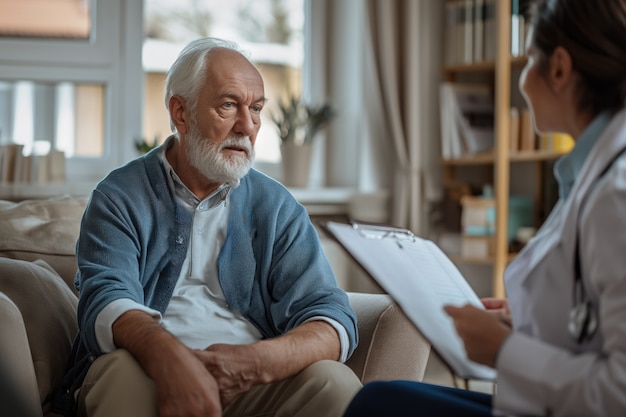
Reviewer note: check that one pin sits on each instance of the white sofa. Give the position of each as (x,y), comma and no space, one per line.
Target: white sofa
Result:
(38,307)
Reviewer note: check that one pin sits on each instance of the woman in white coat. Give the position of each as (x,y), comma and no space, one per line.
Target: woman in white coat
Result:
(560,348)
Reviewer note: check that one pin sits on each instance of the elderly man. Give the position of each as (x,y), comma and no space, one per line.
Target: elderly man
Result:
(204,290)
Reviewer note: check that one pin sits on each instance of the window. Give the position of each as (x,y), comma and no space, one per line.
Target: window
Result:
(70,81)
(58,19)
(272,32)
(48,115)
(54,75)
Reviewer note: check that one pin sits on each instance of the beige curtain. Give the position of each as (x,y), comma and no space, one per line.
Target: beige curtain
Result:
(404,40)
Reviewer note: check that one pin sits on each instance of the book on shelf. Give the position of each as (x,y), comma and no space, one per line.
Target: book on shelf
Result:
(38,168)
(22,168)
(528,137)
(479,30)
(452,145)
(514,129)
(459,32)
(8,155)
(15,167)
(519,26)
(490,30)
(467,119)
(450,33)
(468,31)
(469,27)
(56,166)
(451,142)
(471,30)
(515,28)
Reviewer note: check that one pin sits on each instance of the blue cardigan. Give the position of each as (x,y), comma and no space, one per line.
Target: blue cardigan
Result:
(272,269)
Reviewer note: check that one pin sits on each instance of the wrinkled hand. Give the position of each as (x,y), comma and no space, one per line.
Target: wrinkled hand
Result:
(185,388)
(482,332)
(236,368)
(499,307)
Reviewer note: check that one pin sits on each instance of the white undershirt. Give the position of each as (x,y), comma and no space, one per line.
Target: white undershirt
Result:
(198,314)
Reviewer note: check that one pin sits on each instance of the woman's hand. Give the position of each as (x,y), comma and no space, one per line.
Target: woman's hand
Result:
(482,332)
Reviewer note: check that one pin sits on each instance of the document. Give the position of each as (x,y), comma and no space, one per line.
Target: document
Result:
(421,279)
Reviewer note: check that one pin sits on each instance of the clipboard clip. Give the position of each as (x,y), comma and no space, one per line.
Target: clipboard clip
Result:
(374,231)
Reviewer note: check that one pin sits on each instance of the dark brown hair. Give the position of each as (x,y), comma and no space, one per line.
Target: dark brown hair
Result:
(594,34)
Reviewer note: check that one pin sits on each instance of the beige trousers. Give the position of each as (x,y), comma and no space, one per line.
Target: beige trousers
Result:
(116,385)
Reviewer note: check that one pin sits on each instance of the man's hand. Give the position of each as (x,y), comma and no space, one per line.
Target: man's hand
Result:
(184,387)
(237,368)
(482,332)
(499,307)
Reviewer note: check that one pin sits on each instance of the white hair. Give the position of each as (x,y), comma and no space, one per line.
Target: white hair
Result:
(187,74)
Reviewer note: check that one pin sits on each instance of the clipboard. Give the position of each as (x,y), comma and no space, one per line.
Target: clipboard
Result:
(421,279)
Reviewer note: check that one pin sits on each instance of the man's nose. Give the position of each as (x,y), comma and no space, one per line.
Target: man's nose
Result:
(246,124)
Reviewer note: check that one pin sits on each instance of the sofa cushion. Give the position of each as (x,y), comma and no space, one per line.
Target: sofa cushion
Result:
(48,309)
(43,229)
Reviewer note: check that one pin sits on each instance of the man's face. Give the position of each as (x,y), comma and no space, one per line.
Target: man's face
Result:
(222,129)
(215,160)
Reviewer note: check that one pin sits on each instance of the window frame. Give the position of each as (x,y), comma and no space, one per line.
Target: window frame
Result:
(112,58)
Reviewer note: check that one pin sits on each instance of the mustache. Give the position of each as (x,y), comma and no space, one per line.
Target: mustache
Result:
(242,142)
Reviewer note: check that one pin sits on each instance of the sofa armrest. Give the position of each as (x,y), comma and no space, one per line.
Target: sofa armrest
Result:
(390,346)
(16,366)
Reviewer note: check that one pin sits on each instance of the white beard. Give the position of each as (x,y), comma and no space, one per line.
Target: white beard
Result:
(207,157)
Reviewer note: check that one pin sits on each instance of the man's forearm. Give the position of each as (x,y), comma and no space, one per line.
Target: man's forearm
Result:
(288,354)
(183,385)
(150,344)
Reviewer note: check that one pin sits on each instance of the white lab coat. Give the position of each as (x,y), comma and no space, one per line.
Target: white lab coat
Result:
(541,369)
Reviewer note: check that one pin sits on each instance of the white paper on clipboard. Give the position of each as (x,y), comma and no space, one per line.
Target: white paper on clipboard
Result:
(421,279)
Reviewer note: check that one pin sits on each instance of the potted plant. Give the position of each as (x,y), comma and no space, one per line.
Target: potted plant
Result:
(143,146)
(298,123)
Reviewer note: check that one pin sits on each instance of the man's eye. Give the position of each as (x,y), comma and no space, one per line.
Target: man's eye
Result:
(229,105)
(257,109)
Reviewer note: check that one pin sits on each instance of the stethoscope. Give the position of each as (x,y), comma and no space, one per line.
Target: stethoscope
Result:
(583,321)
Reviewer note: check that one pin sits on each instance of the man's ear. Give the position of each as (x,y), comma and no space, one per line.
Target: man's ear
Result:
(179,113)
(561,71)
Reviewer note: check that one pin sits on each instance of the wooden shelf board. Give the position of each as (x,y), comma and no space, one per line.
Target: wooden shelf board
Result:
(531,156)
(475,159)
(483,66)
(471,67)
(515,156)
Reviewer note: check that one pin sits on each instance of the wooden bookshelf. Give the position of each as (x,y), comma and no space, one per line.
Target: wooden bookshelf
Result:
(497,162)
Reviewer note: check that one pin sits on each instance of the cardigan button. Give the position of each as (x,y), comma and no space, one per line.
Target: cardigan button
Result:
(180,239)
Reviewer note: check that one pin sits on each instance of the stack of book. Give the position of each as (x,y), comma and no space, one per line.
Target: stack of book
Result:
(522,136)
(15,167)
(467,119)
(470,31)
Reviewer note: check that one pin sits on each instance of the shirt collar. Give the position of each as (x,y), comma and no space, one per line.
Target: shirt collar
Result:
(567,168)
(180,190)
